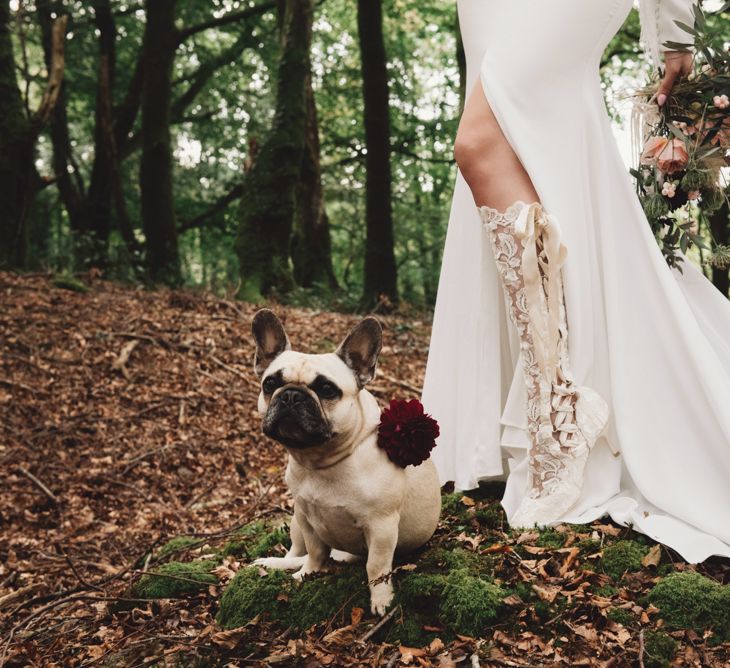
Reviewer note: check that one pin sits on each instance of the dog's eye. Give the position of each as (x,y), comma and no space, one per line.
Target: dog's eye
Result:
(328,390)
(270,384)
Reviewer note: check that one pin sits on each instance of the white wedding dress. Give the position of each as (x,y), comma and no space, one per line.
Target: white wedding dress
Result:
(654,342)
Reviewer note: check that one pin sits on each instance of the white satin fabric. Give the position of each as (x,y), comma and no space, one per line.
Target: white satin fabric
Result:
(652,341)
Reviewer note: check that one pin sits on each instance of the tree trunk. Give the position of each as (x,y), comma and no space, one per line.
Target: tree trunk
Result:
(720,225)
(70,188)
(268,200)
(380,270)
(99,199)
(311,250)
(155,174)
(18,177)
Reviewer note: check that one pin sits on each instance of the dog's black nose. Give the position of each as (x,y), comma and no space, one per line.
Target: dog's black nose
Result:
(292,395)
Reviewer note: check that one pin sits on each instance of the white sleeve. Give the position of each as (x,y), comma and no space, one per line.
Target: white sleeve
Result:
(658,24)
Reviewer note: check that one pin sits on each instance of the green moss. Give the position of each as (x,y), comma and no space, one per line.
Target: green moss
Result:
(257,540)
(607,591)
(665,569)
(175,580)
(249,594)
(550,538)
(588,545)
(69,282)
(469,604)
(282,599)
(451,505)
(442,559)
(623,556)
(620,616)
(688,600)
(659,649)
(491,517)
(421,591)
(176,545)
(264,544)
(328,595)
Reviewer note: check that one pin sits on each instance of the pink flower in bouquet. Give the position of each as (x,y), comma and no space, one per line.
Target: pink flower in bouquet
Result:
(653,147)
(669,155)
(721,101)
(673,158)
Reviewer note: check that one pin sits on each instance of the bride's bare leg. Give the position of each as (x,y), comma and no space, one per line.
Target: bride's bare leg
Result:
(563,420)
(487,162)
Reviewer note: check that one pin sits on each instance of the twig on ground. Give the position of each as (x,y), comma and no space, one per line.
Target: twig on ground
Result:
(400,383)
(641,648)
(393,659)
(22,386)
(84,582)
(386,618)
(18,593)
(120,363)
(53,498)
(131,463)
(228,367)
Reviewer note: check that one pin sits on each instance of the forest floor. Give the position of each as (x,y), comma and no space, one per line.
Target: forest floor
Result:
(128,418)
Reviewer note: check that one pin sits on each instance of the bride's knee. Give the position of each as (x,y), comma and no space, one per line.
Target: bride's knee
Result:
(476,149)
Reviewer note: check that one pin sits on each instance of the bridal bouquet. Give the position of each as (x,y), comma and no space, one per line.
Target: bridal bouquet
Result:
(685,144)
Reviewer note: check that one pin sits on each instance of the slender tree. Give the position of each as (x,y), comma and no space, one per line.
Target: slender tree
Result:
(269,188)
(380,269)
(155,174)
(17,150)
(19,130)
(311,250)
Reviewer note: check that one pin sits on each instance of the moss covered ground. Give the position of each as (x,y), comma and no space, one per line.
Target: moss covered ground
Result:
(475,579)
(479,579)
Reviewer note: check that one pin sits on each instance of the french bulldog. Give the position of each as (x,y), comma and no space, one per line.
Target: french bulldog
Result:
(350,500)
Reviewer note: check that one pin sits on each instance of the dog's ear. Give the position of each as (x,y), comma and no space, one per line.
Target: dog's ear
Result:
(361,347)
(271,339)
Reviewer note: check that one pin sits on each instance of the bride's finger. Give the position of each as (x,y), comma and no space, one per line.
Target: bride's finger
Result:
(665,87)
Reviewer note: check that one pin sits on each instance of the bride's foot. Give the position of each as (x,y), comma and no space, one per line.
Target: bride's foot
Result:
(560,493)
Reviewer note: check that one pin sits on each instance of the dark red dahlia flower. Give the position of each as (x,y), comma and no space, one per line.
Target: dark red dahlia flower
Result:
(406,433)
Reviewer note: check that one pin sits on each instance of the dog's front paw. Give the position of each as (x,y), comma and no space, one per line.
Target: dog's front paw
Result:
(381,596)
(281,563)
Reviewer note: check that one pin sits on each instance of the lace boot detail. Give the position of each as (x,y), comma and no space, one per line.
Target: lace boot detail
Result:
(564,420)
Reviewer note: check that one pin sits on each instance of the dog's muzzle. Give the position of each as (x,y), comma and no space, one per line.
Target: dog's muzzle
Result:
(295,419)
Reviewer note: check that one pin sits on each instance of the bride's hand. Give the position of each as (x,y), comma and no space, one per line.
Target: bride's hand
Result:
(676,64)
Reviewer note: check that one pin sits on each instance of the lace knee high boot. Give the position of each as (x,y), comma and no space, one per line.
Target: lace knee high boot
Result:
(564,420)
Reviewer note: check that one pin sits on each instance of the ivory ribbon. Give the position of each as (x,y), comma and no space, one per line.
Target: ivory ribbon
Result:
(531,222)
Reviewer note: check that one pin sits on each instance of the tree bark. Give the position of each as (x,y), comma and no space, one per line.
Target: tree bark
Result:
(98,209)
(380,280)
(17,152)
(311,249)
(155,175)
(720,225)
(70,188)
(268,202)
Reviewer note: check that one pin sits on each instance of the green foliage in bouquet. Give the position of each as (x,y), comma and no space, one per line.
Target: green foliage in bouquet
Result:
(686,142)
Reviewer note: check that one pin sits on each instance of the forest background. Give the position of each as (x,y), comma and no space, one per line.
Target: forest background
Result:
(295,149)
